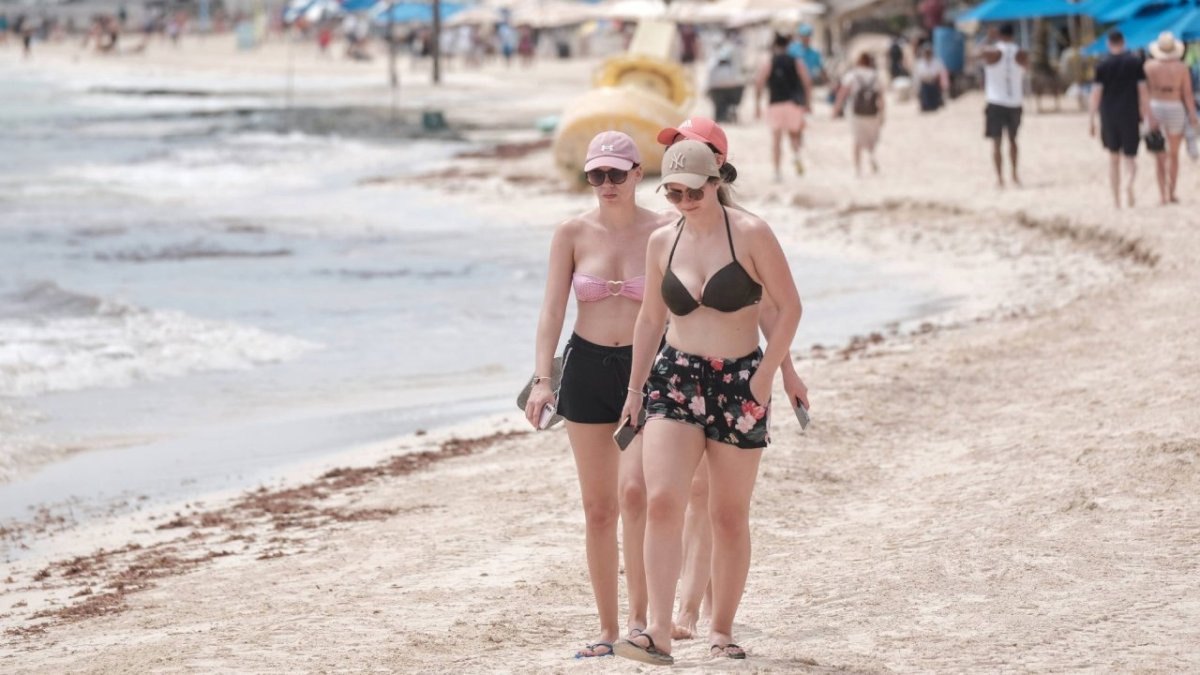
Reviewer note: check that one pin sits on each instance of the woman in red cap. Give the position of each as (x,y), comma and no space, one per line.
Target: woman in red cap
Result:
(697,529)
(601,255)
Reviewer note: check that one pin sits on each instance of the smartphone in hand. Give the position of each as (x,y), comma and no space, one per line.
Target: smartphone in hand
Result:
(627,431)
(548,411)
(801,414)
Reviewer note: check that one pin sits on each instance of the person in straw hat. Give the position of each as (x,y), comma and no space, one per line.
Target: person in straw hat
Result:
(1172,107)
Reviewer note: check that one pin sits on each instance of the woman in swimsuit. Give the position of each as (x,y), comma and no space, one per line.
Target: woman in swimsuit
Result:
(1172,107)
(708,390)
(601,254)
(694,589)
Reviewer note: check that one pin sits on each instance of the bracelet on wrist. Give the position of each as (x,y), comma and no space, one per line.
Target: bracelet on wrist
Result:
(538,378)
(634,391)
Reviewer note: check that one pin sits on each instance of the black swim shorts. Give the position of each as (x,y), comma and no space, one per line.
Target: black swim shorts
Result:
(594,381)
(999,118)
(710,393)
(1120,135)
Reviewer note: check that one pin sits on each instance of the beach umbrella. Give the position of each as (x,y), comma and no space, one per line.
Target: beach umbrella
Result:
(413,12)
(358,5)
(1015,10)
(476,16)
(1111,11)
(311,10)
(1143,29)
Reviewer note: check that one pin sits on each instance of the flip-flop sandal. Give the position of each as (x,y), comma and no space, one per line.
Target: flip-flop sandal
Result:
(723,650)
(592,648)
(634,632)
(649,654)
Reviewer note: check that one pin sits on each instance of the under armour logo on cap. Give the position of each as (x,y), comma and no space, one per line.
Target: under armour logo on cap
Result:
(687,124)
(612,149)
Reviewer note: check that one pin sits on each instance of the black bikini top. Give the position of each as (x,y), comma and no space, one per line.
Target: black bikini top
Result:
(731,288)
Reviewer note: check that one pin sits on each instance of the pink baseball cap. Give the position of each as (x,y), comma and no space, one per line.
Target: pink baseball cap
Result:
(697,129)
(613,149)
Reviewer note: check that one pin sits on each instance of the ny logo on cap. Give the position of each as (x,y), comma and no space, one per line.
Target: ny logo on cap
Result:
(677,162)
(607,148)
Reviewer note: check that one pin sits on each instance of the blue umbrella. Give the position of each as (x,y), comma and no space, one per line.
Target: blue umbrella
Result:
(1110,11)
(1140,31)
(358,5)
(1014,10)
(415,12)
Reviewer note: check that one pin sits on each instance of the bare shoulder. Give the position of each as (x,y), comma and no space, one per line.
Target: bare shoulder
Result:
(748,224)
(990,54)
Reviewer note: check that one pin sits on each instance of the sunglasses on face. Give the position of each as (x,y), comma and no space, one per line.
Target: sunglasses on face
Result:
(693,195)
(596,176)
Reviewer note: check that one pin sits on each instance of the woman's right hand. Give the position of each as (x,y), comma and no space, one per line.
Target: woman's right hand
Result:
(632,409)
(539,396)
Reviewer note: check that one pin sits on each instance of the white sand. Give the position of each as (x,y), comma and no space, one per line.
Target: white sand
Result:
(1016,493)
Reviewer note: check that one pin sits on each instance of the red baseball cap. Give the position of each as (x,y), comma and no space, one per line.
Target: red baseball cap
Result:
(697,129)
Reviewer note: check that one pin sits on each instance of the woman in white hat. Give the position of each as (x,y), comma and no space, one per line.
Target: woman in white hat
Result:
(707,392)
(1172,107)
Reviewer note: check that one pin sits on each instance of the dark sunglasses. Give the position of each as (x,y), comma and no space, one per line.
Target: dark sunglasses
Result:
(693,195)
(617,176)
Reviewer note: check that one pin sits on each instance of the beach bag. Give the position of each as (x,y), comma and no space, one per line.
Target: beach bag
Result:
(866,98)
(555,384)
(1155,141)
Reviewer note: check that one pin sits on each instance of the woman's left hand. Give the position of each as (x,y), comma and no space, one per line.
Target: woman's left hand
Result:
(795,388)
(760,385)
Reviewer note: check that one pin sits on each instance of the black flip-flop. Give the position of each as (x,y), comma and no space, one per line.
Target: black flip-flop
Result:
(592,648)
(723,650)
(649,654)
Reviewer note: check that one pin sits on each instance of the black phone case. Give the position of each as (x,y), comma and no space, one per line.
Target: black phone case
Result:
(627,433)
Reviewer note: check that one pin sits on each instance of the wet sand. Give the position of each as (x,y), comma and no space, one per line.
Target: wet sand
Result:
(1009,488)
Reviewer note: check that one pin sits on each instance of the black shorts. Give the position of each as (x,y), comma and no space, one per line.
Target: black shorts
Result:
(1000,117)
(710,393)
(594,383)
(1120,136)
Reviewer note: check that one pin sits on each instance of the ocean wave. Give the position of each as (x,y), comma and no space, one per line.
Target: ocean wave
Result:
(189,251)
(52,339)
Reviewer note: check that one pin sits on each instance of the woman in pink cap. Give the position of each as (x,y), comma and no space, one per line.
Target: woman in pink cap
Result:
(601,254)
(697,528)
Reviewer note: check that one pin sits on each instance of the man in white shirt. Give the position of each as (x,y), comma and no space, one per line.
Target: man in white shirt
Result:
(1004,90)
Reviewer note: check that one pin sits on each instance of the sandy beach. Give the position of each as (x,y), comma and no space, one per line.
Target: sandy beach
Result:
(1010,487)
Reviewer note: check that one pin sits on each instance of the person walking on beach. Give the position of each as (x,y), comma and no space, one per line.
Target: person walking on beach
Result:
(694,587)
(1121,99)
(933,80)
(861,87)
(707,392)
(1004,91)
(1172,108)
(788,85)
(601,254)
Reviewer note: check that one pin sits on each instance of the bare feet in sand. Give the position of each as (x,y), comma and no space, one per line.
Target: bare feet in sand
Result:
(684,627)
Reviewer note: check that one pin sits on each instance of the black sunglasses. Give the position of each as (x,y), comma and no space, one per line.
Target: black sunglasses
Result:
(617,176)
(693,195)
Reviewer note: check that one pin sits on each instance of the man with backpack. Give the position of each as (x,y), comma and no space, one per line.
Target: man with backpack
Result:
(789,86)
(862,91)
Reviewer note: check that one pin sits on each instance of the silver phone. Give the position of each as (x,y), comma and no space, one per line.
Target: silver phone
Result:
(801,414)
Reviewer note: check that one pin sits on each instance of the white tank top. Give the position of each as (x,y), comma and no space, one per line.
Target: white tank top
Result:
(1004,80)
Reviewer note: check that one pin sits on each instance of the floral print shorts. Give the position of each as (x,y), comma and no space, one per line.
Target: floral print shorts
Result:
(710,393)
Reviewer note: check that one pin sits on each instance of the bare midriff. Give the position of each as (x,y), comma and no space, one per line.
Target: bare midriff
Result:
(707,332)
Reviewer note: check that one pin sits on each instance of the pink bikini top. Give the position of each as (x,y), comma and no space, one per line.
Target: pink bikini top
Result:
(589,288)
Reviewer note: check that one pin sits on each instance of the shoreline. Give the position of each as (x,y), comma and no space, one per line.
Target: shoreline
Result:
(1009,492)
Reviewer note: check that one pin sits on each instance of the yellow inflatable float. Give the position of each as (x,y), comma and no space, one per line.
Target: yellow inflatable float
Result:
(639,92)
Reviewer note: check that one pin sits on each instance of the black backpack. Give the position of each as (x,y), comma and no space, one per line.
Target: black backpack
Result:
(866,98)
